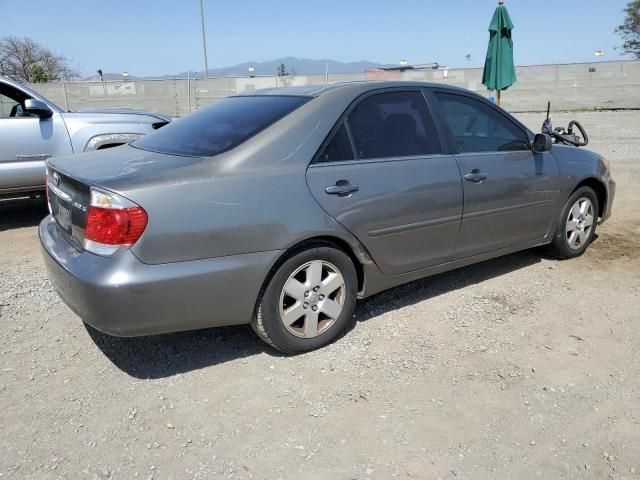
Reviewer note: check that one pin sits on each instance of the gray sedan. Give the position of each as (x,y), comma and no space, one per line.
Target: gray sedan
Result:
(283,207)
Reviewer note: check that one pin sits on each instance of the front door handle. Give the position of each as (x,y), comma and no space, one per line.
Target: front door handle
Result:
(475,176)
(342,188)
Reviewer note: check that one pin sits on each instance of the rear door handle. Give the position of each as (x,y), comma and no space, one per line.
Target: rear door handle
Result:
(342,188)
(475,176)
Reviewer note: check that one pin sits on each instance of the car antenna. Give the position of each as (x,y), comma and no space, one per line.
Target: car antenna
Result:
(547,128)
(548,109)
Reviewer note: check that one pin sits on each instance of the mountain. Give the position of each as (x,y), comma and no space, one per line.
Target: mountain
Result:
(302,66)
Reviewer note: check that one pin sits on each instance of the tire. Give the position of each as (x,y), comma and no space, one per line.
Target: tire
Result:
(576,225)
(293,317)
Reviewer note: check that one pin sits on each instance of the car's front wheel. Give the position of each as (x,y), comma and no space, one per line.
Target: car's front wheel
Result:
(577,224)
(308,301)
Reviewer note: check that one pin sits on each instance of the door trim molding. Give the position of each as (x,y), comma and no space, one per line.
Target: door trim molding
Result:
(383,232)
(509,208)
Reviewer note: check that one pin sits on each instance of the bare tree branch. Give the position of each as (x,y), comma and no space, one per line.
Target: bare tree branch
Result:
(26,60)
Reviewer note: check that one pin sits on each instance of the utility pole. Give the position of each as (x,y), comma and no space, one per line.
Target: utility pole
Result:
(204,40)
(189,89)
(104,88)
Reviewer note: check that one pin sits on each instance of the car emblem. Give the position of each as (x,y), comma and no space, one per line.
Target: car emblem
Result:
(56,179)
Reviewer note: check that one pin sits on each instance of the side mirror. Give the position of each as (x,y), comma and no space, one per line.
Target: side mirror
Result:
(38,108)
(542,143)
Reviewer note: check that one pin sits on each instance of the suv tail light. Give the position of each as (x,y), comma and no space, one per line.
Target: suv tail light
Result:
(113,223)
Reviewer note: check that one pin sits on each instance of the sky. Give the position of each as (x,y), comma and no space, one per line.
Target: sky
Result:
(158,37)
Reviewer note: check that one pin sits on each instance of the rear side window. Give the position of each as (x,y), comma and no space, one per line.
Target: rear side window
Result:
(394,124)
(220,127)
(339,148)
(476,127)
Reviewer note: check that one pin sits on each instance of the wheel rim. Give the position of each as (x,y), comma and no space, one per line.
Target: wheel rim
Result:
(312,299)
(579,223)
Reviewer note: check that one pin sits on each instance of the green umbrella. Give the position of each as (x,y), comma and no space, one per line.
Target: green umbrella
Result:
(499,72)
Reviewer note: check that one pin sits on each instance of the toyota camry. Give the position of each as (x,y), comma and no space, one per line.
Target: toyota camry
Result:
(282,207)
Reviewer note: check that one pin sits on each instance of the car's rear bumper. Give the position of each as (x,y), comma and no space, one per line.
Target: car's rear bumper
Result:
(122,296)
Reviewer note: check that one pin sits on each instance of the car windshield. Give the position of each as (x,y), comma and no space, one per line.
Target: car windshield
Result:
(221,126)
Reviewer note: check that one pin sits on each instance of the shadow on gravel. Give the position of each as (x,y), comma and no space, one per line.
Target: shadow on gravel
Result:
(22,212)
(161,356)
(166,355)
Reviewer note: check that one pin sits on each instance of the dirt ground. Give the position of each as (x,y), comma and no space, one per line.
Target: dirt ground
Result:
(521,367)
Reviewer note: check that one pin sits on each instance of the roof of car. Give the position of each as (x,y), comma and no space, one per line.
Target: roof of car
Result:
(360,86)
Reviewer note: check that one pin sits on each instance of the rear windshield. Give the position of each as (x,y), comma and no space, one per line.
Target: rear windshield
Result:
(220,127)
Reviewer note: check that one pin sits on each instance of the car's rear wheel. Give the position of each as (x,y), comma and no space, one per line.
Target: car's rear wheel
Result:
(308,301)
(577,225)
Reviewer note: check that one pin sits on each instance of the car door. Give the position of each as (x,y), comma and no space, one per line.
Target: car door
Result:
(382,175)
(26,141)
(509,192)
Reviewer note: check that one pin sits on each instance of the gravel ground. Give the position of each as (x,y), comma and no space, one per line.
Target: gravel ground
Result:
(521,367)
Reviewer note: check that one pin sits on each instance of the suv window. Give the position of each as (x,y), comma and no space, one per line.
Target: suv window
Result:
(476,127)
(394,124)
(8,106)
(339,148)
(221,126)
(11,101)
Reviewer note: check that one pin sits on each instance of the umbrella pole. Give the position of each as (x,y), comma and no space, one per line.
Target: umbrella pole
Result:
(499,92)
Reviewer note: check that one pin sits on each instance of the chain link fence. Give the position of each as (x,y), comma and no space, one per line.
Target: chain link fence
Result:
(604,85)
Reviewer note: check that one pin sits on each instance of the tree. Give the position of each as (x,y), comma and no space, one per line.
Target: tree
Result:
(38,75)
(26,60)
(285,75)
(630,29)
(282,70)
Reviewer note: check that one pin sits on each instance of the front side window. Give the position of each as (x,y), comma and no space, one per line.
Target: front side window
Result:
(11,102)
(394,124)
(220,127)
(9,107)
(476,127)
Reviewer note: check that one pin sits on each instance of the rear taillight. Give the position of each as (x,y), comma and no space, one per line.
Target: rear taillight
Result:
(113,223)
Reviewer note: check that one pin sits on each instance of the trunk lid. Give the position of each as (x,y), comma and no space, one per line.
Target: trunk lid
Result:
(117,164)
(69,180)
(68,201)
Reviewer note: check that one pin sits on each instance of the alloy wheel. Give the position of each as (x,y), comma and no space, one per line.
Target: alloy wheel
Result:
(312,299)
(579,223)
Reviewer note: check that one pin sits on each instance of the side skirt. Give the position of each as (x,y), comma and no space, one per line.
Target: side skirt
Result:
(376,281)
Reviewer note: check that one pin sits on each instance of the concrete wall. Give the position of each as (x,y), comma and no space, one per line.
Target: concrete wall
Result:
(568,87)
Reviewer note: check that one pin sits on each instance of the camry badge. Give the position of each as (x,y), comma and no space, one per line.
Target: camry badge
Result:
(56,179)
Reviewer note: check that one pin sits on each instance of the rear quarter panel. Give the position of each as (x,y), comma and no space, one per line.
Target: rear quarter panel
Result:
(225,216)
